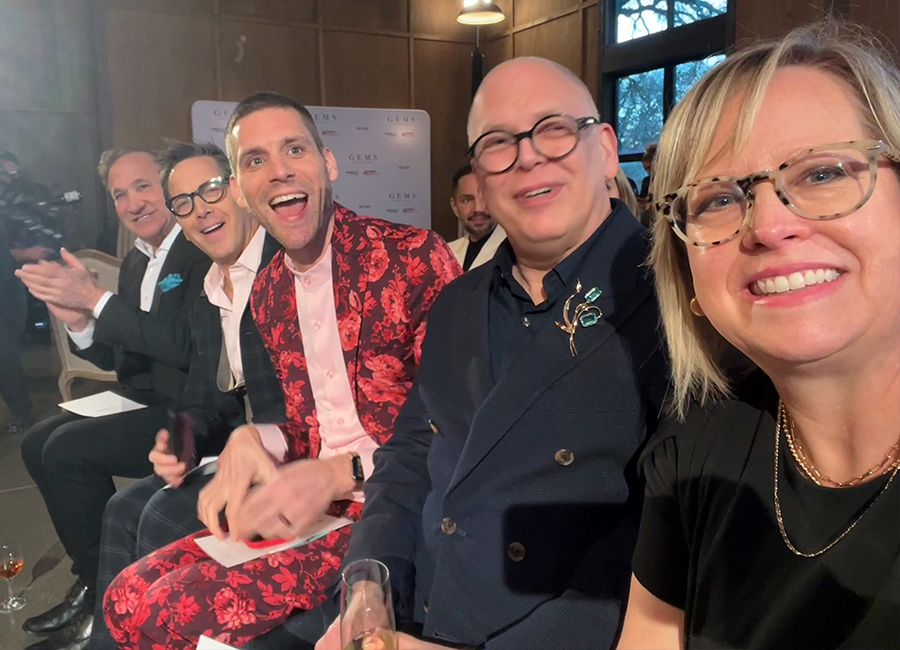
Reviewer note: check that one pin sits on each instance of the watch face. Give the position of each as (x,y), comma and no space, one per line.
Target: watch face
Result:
(358,474)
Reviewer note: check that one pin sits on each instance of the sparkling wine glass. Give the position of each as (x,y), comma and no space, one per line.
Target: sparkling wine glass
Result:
(367,607)
(11,563)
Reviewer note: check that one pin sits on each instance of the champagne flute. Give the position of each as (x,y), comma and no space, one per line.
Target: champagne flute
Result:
(11,563)
(367,607)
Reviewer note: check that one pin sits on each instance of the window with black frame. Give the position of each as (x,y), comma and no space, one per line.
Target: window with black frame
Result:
(655,51)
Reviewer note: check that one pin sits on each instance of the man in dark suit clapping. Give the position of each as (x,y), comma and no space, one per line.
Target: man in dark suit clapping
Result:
(142,332)
(503,504)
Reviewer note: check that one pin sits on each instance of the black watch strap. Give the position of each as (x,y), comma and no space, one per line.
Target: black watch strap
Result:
(358,474)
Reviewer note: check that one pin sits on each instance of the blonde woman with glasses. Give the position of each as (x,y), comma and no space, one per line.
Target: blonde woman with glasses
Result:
(771,513)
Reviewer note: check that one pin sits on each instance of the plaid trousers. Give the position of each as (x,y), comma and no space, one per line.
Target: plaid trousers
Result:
(137,521)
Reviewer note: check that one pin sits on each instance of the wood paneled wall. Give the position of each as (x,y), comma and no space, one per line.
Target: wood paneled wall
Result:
(565,31)
(756,19)
(77,76)
(163,55)
(47,104)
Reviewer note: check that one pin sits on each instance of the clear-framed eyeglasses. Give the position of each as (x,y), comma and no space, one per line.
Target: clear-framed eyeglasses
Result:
(212,191)
(554,137)
(824,182)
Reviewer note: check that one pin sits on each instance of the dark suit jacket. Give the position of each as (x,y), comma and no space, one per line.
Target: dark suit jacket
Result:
(150,351)
(220,411)
(507,513)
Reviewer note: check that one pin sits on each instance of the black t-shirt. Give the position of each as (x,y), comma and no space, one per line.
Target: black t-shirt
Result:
(709,541)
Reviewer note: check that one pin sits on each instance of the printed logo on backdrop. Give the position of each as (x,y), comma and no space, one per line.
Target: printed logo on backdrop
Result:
(325,123)
(360,159)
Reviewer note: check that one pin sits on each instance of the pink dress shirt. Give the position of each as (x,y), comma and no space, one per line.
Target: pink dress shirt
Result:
(339,425)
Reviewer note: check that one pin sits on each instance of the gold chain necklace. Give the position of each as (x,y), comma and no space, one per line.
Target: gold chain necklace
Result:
(782,421)
(809,469)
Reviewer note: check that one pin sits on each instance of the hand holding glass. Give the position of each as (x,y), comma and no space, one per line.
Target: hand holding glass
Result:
(367,607)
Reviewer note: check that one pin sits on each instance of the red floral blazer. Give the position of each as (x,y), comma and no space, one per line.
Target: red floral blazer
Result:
(386,277)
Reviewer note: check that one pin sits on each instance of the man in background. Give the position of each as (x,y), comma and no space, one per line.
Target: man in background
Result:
(483,235)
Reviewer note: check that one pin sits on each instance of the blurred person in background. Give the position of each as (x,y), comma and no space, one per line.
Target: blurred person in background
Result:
(482,234)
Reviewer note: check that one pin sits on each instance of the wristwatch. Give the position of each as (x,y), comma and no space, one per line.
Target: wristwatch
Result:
(358,474)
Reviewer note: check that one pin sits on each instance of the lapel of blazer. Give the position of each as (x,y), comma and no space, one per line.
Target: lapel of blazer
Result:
(133,268)
(171,265)
(471,358)
(548,359)
(490,247)
(350,259)
(270,247)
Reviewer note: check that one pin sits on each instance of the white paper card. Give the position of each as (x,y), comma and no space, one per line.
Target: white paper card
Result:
(205,643)
(101,405)
(229,554)
(200,470)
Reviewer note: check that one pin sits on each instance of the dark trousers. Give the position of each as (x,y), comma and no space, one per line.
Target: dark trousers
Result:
(13,384)
(72,461)
(140,519)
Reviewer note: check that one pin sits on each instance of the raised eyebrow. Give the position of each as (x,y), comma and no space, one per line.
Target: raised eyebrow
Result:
(295,139)
(138,181)
(250,153)
(505,128)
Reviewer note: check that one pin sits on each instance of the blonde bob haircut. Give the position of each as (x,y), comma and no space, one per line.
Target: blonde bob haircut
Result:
(698,353)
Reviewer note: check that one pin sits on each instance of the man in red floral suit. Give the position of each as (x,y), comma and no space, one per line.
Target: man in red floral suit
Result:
(342,311)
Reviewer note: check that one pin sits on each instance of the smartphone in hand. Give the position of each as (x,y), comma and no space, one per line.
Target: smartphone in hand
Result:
(182,443)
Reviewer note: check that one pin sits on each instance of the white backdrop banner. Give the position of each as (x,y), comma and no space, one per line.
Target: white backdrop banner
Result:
(383,155)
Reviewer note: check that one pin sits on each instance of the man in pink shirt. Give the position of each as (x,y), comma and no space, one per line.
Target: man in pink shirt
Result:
(342,311)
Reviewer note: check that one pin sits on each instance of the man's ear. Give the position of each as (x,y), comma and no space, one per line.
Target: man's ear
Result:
(236,192)
(330,164)
(610,144)
(453,207)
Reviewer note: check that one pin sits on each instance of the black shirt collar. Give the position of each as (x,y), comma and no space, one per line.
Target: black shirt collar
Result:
(564,275)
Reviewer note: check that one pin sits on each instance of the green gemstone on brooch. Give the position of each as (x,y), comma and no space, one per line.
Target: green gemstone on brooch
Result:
(589,319)
(593,294)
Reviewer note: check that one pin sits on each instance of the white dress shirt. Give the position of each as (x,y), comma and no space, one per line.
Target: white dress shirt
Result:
(231,310)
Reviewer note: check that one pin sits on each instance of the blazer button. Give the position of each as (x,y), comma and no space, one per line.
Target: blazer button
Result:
(434,427)
(564,457)
(448,526)
(516,552)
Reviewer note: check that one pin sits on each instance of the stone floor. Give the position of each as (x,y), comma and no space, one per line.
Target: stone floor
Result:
(23,517)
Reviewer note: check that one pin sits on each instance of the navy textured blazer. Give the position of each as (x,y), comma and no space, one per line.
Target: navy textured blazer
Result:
(507,512)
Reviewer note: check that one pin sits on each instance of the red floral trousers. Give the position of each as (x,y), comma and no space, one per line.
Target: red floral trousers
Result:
(166,600)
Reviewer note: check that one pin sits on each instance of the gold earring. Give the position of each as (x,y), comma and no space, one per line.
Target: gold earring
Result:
(696,310)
